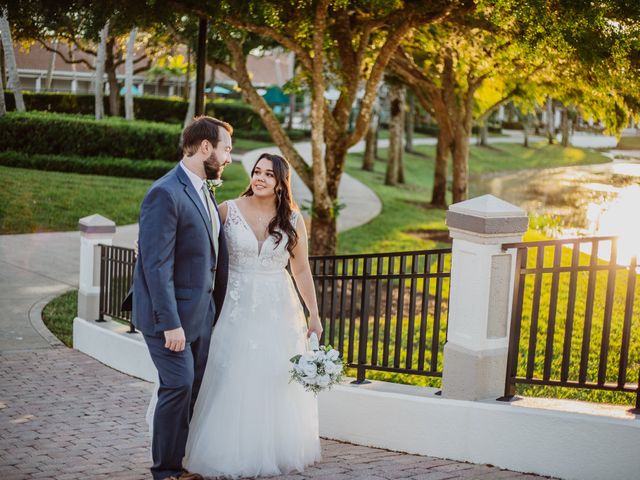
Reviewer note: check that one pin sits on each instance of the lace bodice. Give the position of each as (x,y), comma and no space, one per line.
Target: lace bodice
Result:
(245,252)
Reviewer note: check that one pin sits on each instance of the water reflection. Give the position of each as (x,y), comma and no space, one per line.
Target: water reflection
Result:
(589,200)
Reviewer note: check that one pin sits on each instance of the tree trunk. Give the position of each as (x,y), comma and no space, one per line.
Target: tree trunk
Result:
(3,65)
(323,150)
(550,121)
(3,106)
(565,127)
(292,95)
(186,94)
(410,124)
(324,229)
(460,164)
(50,68)
(10,59)
(396,101)
(402,129)
(112,78)
(100,61)
(191,110)
(526,128)
(483,131)
(128,80)
(439,194)
(370,143)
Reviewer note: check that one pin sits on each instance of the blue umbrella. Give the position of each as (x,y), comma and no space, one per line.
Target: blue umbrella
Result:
(135,90)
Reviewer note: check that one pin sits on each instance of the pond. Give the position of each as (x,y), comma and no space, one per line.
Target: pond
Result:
(588,200)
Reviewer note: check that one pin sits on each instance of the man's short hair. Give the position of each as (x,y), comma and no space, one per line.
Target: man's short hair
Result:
(202,128)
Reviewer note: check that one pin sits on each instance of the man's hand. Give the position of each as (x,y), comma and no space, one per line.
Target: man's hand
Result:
(135,249)
(175,339)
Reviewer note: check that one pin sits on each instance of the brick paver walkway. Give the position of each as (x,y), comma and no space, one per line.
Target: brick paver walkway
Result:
(64,415)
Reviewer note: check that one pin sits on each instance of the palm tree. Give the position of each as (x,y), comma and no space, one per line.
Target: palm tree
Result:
(10,58)
(99,83)
(128,81)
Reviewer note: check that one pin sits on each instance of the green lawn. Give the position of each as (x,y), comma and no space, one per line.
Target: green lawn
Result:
(241,145)
(35,201)
(407,223)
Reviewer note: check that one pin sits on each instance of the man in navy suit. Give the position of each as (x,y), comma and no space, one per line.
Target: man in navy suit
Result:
(180,282)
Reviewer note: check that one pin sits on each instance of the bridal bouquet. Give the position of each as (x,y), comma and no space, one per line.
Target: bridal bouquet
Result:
(317,369)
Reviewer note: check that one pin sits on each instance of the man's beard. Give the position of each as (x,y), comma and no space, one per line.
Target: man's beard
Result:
(212,169)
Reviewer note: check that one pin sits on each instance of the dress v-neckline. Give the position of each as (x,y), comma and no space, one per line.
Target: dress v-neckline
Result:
(253,233)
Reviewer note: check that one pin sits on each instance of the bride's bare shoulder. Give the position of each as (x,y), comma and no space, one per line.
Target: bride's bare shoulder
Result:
(223,209)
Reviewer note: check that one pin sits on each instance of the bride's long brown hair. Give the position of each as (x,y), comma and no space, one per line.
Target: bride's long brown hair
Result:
(284,201)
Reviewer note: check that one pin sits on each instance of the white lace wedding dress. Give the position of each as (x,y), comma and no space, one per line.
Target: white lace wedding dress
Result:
(248,419)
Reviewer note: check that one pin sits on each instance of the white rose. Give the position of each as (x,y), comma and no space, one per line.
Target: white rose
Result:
(324,380)
(333,354)
(310,369)
(310,381)
(307,357)
(330,368)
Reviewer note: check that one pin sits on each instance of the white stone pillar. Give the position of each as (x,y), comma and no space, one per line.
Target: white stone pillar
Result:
(475,355)
(94,230)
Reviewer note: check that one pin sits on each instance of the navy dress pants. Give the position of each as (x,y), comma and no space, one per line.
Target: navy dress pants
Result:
(180,375)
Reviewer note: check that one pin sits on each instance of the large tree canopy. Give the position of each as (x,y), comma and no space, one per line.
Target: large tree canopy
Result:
(345,45)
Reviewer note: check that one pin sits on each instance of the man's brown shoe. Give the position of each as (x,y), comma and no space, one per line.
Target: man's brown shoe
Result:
(190,476)
(186,476)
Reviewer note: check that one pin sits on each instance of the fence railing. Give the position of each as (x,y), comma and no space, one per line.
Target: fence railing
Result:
(572,317)
(116,276)
(382,312)
(385,311)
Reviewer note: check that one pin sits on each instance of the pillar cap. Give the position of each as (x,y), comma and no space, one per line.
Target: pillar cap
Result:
(487,215)
(96,224)
(487,206)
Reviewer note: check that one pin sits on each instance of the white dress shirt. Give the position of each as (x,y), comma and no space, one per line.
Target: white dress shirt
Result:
(197,184)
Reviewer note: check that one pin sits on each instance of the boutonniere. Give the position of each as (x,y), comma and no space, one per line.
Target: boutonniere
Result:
(212,185)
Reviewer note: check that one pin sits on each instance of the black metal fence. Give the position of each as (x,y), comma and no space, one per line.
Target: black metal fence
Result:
(382,312)
(116,276)
(385,311)
(573,319)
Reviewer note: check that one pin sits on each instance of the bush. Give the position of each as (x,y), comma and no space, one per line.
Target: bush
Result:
(59,134)
(512,125)
(150,108)
(492,129)
(432,129)
(295,135)
(114,167)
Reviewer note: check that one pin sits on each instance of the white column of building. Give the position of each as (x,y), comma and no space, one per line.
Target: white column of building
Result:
(475,354)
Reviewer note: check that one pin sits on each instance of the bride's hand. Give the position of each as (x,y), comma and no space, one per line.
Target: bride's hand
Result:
(315,325)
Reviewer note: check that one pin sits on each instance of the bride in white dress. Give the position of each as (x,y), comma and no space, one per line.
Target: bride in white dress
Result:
(248,419)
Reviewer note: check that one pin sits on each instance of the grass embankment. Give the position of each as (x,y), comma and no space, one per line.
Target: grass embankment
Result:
(34,201)
(629,143)
(407,223)
(58,316)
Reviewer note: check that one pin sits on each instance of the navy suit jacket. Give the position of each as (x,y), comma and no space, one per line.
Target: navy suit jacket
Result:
(176,264)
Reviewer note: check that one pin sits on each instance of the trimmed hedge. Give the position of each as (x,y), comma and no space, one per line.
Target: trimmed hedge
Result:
(114,167)
(150,108)
(60,134)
